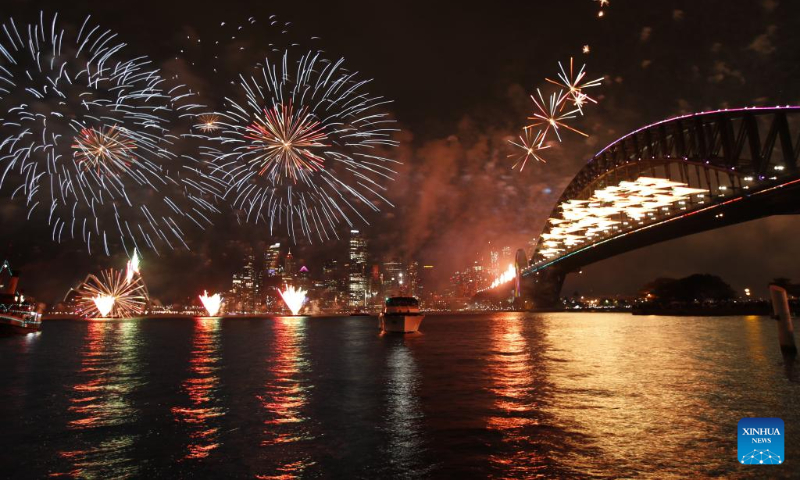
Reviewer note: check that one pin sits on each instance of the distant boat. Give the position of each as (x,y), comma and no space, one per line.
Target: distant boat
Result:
(401,315)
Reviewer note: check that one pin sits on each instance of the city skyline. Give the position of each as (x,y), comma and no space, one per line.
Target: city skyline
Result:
(455,162)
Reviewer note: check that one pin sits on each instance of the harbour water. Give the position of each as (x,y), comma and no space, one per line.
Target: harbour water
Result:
(494,395)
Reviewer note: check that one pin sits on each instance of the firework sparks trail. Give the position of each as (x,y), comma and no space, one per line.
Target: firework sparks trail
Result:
(531,144)
(303,147)
(211,303)
(550,116)
(132,266)
(293,298)
(84,133)
(574,84)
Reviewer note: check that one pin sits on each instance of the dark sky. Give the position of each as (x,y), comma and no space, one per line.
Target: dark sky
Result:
(459,77)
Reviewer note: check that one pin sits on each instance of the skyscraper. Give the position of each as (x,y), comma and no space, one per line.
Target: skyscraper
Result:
(494,263)
(271,278)
(250,283)
(412,278)
(394,281)
(506,258)
(336,294)
(289,266)
(357,273)
(272,260)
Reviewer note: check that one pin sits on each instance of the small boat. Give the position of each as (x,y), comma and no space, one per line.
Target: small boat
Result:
(401,315)
(358,313)
(17,315)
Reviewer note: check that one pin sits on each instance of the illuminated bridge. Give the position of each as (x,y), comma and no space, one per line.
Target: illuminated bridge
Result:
(673,178)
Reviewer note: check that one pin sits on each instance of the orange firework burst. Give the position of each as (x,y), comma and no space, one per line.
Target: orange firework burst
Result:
(285,139)
(549,114)
(531,144)
(104,149)
(574,84)
(208,123)
(113,294)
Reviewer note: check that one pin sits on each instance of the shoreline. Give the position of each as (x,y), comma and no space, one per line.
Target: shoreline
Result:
(677,312)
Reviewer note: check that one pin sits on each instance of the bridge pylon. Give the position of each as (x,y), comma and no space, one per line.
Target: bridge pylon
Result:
(542,289)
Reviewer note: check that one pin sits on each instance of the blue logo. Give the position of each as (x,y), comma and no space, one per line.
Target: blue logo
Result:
(761,441)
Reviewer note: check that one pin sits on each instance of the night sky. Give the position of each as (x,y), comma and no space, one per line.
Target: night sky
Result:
(460,78)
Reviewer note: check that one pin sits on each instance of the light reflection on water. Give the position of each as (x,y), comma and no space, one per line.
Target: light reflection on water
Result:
(201,388)
(515,412)
(100,405)
(404,416)
(284,398)
(655,394)
(490,396)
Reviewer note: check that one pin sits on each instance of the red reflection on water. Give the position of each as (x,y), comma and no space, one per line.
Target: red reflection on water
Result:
(109,372)
(285,396)
(511,373)
(201,387)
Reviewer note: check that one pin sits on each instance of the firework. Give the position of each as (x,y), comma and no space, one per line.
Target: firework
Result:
(303,146)
(104,304)
(293,298)
(211,303)
(286,143)
(132,266)
(112,295)
(107,151)
(85,136)
(207,123)
(550,116)
(575,84)
(531,144)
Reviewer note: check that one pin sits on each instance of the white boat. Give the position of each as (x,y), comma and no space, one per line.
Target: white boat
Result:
(401,315)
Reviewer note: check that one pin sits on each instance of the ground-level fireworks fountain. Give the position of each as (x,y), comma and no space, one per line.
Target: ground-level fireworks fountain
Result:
(211,303)
(114,293)
(294,298)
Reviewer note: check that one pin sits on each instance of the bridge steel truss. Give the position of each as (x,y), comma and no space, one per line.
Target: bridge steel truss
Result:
(733,154)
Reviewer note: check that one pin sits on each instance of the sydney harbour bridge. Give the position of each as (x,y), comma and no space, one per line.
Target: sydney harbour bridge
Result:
(666,180)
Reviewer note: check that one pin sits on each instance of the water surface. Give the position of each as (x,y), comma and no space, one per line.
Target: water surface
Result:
(508,395)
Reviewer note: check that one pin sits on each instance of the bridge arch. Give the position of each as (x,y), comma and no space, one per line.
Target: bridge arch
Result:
(688,174)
